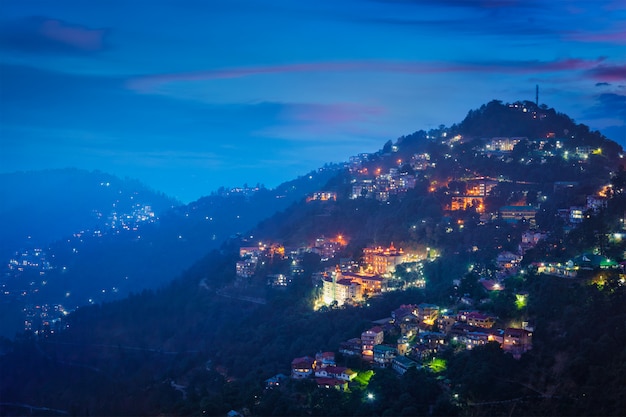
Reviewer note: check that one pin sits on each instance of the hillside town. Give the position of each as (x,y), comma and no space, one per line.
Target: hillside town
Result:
(415,335)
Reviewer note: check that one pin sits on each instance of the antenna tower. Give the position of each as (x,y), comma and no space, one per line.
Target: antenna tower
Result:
(537,95)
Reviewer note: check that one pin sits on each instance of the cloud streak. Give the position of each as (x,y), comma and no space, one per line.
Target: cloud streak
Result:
(616,37)
(44,35)
(149,83)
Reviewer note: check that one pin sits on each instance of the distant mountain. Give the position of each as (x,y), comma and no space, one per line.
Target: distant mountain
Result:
(109,238)
(39,207)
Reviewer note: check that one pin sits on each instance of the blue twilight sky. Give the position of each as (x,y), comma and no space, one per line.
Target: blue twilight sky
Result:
(190,95)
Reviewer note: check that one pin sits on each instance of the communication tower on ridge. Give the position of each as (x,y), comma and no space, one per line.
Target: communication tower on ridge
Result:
(537,95)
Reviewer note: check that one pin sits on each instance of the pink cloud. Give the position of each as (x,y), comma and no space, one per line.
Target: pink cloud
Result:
(608,73)
(75,36)
(148,83)
(38,34)
(617,37)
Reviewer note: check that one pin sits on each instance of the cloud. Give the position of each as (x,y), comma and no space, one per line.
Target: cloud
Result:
(602,84)
(150,83)
(616,37)
(469,4)
(44,35)
(608,73)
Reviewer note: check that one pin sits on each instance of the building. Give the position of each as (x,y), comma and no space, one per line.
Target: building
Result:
(502,144)
(508,261)
(517,213)
(465,202)
(324,359)
(337,289)
(365,188)
(337,372)
(427,313)
(369,339)
(517,341)
(384,355)
(279,280)
(322,196)
(530,239)
(477,319)
(245,268)
(404,313)
(474,195)
(401,364)
(387,261)
(480,187)
(275,381)
(370,284)
(445,323)
(576,214)
(351,347)
(302,367)
(329,383)
(383,260)
(403,345)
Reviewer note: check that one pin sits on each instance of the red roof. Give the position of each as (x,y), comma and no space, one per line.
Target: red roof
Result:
(329,381)
(376,329)
(491,285)
(477,315)
(304,362)
(514,332)
(335,370)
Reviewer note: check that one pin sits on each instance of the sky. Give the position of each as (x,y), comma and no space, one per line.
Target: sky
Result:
(191,95)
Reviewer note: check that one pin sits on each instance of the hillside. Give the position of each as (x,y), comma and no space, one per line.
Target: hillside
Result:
(122,245)
(206,342)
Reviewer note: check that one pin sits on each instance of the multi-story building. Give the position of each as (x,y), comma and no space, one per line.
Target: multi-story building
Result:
(502,144)
(517,213)
(576,214)
(369,339)
(403,345)
(427,313)
(401,364)
(370,284)
(279,280)
(477,319)
(322,196)
(464,202)
(324,359)
(517,341)
(383,260)
(351,347)
(302,367)
(245,268)
(530,239)
(384,355)
(508,261)
(338,289)
(363,188)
